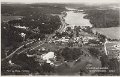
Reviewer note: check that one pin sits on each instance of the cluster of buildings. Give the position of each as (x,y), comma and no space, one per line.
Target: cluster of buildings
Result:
(75,37)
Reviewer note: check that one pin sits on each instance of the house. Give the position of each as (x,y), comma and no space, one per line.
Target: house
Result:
(63,39)
(36,30)
(85,40)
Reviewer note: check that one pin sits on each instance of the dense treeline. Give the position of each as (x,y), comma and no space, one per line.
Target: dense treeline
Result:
(103,18)
(24,65)
(37,18)
(46,25)
(27,9)
(71,54)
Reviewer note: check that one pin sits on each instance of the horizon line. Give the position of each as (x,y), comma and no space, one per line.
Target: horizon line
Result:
(55,2)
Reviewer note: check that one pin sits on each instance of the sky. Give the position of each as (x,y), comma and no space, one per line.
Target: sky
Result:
(64,1)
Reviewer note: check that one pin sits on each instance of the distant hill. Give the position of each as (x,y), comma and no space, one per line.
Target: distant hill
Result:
(103,18)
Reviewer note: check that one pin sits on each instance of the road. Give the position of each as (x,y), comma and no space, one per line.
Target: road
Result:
(61,28)
(106,52)
(112,49)
(37,44)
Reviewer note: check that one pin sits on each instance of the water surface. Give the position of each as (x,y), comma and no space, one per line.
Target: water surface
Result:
(112,32)
(76,19)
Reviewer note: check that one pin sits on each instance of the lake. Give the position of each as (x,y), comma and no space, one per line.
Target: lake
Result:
(76,19)
(112,32)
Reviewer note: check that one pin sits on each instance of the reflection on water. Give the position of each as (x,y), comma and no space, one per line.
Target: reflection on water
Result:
(76,19)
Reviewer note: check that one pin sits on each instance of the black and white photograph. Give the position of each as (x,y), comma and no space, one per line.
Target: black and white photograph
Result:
(60,37)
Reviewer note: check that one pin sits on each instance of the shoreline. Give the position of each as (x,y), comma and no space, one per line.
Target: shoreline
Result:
(63,23)
(113,30)
(61,27)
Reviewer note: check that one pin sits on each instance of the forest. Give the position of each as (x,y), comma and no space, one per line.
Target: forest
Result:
(103,18)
